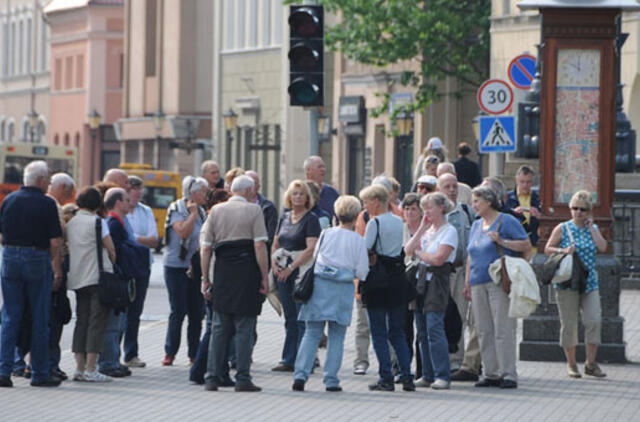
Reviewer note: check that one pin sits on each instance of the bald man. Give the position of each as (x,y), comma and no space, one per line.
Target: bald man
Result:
(315,169)
(116,176)
(268,210)
(464,191)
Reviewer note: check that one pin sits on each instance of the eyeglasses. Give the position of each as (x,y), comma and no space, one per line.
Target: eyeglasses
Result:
(579,209)
(433,160)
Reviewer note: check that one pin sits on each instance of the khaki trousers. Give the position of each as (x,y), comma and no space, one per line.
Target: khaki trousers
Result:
(456,285)
(570,305)
(362,336)
(472,360)
(496,331)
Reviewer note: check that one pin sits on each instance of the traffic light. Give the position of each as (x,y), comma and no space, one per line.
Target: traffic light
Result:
(306,55)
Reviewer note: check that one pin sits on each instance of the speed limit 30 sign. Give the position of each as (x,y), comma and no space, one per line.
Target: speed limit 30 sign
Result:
(495,96)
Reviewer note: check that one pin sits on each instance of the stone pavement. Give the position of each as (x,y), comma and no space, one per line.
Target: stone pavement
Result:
(157,393)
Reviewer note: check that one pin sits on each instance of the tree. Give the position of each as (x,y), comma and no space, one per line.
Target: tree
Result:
(445,38)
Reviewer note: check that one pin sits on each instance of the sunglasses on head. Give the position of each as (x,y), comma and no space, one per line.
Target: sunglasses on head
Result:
(579,209)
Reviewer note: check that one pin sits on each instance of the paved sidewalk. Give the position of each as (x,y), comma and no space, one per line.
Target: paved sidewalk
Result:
(157,393)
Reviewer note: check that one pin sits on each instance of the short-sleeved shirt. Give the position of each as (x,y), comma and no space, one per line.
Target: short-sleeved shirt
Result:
(293,236)
(430,242)
(171,255)
(482,250)
(143,223)
(585,248)
(328,196)
(29,218)
(391,228)
(236,219)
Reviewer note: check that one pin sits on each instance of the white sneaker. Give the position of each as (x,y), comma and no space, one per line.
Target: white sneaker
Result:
(96,376)
(440,384)
(135,363)
(78,376)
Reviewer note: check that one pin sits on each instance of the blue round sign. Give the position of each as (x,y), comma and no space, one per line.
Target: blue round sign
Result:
(522,71)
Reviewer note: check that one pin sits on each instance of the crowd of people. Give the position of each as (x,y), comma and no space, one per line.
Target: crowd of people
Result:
(416,269)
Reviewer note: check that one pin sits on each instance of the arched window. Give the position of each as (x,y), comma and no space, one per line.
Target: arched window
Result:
(11,131)
(56,140)
(2,126)
(66,139)
(77,141)
(24,130)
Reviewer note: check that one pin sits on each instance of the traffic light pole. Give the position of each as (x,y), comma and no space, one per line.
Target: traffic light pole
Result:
(314,138)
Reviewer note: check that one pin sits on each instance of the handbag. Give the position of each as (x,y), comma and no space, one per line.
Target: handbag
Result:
(505,281)
(113,291)
(565,269)
(303,290)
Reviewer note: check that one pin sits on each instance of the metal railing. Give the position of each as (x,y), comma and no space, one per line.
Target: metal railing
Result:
(626,230)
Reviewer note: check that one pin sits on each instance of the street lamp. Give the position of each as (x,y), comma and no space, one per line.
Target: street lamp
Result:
(404,154)
(94,124)
(404,123)
(33,123)
(230,119)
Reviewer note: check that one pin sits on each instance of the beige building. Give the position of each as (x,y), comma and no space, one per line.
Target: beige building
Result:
(364,146)
(24,70)
(166,111)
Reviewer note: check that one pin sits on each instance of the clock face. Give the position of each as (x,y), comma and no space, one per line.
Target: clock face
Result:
(578,67)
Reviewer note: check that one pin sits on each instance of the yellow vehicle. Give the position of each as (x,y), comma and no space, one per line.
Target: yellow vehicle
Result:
(161,188)
(14,157)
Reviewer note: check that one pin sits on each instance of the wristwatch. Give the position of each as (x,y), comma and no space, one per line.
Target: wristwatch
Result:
(204,279)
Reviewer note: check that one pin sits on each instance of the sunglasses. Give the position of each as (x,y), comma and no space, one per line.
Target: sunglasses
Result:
(432,160)
(579,209)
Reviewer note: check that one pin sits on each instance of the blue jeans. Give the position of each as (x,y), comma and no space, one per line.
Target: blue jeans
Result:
(226,328)
(309,349)
(133,319)
(110,355)
(294,329)
(185,299)
(199,367)
(434,347)
(387,326)
(27,278)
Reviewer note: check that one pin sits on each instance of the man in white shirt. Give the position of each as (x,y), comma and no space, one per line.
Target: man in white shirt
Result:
(145,230)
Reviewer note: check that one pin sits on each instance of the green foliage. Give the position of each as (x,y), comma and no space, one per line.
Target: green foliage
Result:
(443,38)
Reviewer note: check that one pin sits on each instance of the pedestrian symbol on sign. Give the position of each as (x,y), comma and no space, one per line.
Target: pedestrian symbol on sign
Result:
(497,134)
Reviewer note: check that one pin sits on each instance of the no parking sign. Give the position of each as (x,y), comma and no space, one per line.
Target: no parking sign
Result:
(522,70)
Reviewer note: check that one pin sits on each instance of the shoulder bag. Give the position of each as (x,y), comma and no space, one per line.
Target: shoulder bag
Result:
(563,273)
(505,281)
(303,290)
(382,269)
(113,290)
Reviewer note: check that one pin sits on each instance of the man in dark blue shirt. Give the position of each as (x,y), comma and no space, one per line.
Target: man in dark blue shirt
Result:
(315,170)
(31,269)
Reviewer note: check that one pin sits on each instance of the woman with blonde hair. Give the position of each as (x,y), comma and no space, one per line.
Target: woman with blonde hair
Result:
(292,253)
(580,237)
(435,244)
(341,256)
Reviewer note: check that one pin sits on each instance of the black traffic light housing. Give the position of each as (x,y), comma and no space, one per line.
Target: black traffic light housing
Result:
(306,55)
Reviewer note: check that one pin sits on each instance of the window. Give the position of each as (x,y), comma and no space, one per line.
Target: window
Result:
(12,66)
(24,135)
(42,129)
(58,75)
(76,143)
(150,39)
(266,22)
(20,48)
(68,72)
(66,139)
(228,45)
(5,53)
(506,7)
(79,71)
(240,18)
(43,45)
(2,126)
(253,23)
(56,140)
(277,23)
(28,49)
(11,131)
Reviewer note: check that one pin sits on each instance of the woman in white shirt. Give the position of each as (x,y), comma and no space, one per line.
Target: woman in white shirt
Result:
(91,314)
(435,245)
(341,256)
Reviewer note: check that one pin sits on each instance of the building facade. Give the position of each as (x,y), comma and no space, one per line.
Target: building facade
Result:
(24,70)
(166,111)
(87,72)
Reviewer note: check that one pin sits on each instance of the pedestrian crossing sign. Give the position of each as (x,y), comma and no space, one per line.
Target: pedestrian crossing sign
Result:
(497,134)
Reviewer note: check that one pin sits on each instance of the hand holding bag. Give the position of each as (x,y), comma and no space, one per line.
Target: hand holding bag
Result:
(114,292)
(303,290)
(563,273)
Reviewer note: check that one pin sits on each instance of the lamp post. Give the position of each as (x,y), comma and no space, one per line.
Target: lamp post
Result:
(404,153)
(94,124)
(33,123)
(230,119)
